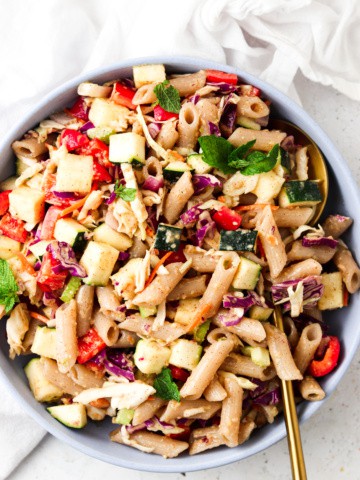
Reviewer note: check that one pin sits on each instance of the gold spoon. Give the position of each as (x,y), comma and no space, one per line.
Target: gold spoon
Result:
(317,170)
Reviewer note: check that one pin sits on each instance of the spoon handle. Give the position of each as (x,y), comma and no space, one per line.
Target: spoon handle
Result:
(291,420)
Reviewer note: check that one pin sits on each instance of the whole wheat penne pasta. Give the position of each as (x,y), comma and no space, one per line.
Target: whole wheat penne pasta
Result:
(243,365)
(203,373)
(231,412)
(188,84)
(208,113)
(292,217)
(280,354)
(16,327)
(30,334)
(109,303)
(202,439)
(300,270)
(126,339)
(188,126)
(151,442)
(252,107)
(271,241)
(247,328)
(178,197)
(168,135)
(66,338)
(310,389)
(188,288)
(270,412)
(61,380)
(106,328)
(143,326)
(291,331)
(85,377)
(348,268)
(215,392)
(308,343)
(161,286)
(321,254)
(246,427)
(84,308)
(147,410)
(265,139)
(29,147)
(200,408)
(144,94)
(335,225)
(200,260)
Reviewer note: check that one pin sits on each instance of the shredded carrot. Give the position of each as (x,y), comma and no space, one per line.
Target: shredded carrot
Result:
(25,264)
(221,198)
(199,317)
(73,207)
(255,206)
(176,155)
(156,268)
(149,231)
(38,316)
(345,297)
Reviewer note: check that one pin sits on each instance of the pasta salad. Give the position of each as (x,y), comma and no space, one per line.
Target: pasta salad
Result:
(147,236)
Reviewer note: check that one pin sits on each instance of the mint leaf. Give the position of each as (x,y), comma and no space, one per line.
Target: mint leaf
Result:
(127,194)
(237,157)
(165,387)
(261,163)
(8,286)
(216,151)
(168,97)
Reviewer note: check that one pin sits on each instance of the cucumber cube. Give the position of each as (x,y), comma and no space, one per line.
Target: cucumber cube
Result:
(268,187)
(118,240)
(260,313)
(150,356)
(41,388)
(72,232)
(8,247)
(107,114)
(333,295)
(44,343)
(186,310)
(27,204)
(185,354)
(300,193)
(247,275)
(127,148)
(196,163)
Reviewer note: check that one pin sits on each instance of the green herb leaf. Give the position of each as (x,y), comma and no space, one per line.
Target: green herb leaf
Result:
(168,97)
(237,157)
(216,151)
(127,194)
(8,286)
(261,163)
(165,387)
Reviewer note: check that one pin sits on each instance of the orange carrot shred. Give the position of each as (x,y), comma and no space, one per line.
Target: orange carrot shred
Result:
(221,199)
(345,297)
(156,268)
(38,316)
(149,231)
(176,155)
(199,317)
(25,264)
(255,206)
(74,206)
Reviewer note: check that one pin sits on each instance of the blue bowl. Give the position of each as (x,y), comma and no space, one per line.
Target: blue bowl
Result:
(344,199)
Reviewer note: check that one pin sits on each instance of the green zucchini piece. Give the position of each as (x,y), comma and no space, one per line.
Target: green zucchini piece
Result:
(238,240)
(174,170)
(196,162)
(102,133)
(300,193)
(167,237)
(285,161)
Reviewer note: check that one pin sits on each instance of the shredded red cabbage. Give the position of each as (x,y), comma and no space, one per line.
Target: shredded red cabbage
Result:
(153,183)
(111,199)
(66,195)
(115,362)
(51,300)
(268,398)
(152,220)
(194,99)
(231,317)
(205,226)
(192,215)
(154,129)
(87,127)
(65,255)
(200,182)
(319,241)
(313,289)
(214,129)
(123,256)
(230,301)
(228,119)
(223,86)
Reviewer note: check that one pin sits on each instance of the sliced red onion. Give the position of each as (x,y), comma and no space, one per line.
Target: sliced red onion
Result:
(223,86)
(65,255)
(154,129)
(111,199)
(214,129)
(194,99)
(288,144)
(319,241)
(37,266)
(261,387)
(153,183)
(123,256)
(128,82)
(87,127)
(136,428)
(228,119)
(191,215)
(263,121)
(268,398)
(230,301)
(200,182)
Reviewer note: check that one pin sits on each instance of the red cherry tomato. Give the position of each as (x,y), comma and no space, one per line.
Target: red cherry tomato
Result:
(123,95)
(13,228)
(216,76)
(227,219)
(161,115)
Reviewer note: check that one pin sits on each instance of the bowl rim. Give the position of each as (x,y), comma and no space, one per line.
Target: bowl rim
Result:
(319,136)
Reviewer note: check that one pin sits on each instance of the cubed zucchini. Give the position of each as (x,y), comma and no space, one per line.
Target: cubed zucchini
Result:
(238,240)
(127,147)
(120,241)
(72,232)
(72,415)
(41,388)
(268,186)
(44,343)
(167,237)
(260,313)
(247,122)
(146,312)
(150,356)
(174,170)
(333,295)
(196,163)
(102,133)
(259,355)
(185,354)
(186,310)
(98,260)
(300,193)
(285,161)
(145,74)
(247,275)
(74,173)
(27,204)
(105,113)
(124,416)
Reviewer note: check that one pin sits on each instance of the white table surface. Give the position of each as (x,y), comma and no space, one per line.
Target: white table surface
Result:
(331,438)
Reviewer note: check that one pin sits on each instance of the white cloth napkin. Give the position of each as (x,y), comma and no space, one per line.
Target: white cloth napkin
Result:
(45,42)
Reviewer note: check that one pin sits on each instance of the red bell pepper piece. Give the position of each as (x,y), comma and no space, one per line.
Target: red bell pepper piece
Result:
(13,228)
(73,139)
(97,149)
(216,76)
(4,201)
(184,435)
(48,226)
(80,109)
(46,278)
(250,91)
(161,115)
(100,173)
(123,95)
(177,256)
(89,345)
(227,219)
(325,365)
(179,373)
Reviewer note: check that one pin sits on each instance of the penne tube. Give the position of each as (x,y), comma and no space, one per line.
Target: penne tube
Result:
(126,339)
(215,392)
(84,308)
(302,269)
(143,327)
(265,139)
(246,428)
(147,410)
(252,107)
(308,344)
(29,147)
(85,377)
(168,135)
(66,338)
(321,254)
(335,225)
(231,412)
(189,288)
(348,268)
(243,365)
(30,335)
(208,113)
(109,303)
(291,331)
(178,197)
(145,94)
(188,84)
(106,328)
(60,380)
(200,409)
(202,439)
(188,126)
(247,328)
(201,261)
(292,217)
(310,389)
